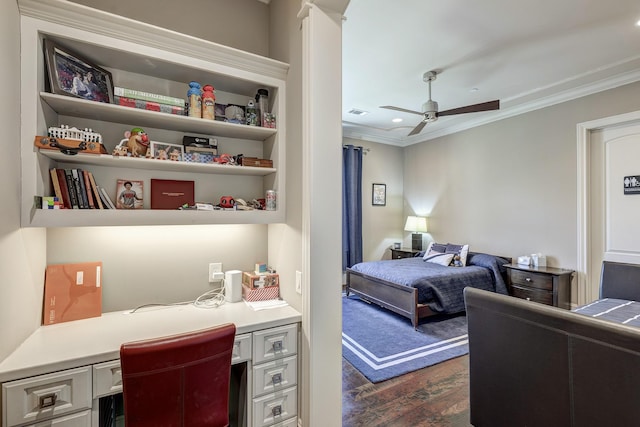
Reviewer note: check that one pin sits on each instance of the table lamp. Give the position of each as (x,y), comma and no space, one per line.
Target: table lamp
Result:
(417,225)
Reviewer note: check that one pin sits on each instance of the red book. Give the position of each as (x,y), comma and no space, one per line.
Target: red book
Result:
(171,194)
(62,180)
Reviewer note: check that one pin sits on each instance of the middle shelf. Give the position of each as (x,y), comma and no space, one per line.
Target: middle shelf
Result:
(153,164)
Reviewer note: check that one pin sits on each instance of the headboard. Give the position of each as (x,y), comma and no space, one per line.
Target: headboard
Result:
(620,280)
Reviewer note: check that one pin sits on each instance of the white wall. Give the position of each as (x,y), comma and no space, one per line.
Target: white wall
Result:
(243,24)
(20,250)
(509,187)
(381,225)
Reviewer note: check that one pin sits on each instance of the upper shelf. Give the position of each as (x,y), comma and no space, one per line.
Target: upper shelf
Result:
(77,107)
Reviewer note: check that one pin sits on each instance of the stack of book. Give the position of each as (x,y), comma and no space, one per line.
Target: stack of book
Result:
(77,189)
(149,101)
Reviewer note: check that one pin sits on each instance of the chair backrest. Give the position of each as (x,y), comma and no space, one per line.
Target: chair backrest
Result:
(179,380)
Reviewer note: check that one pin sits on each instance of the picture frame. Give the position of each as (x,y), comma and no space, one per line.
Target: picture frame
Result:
(167,151)
(72,75)
(129,194)
(379,195)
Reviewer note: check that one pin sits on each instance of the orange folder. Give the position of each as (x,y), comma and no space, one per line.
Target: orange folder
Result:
(72,292)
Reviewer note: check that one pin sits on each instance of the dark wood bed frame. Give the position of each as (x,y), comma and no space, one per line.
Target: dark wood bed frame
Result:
(397,298)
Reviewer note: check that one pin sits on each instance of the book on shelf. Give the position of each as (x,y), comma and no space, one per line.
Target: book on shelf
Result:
(56,184)
(147,96)
(87,186)
(149,105)
(129,194)
(171,193)
(62,181)
(78,181)
(95,192)
(73,194)
(106,200)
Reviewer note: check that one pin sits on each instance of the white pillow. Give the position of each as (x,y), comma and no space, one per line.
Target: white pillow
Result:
(463,252)
(434,248)
(442,259)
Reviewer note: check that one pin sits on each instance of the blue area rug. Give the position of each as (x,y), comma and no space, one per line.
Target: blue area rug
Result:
(382,345)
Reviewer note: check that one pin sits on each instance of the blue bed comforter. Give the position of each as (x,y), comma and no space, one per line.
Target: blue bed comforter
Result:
(616,310)
(438,286)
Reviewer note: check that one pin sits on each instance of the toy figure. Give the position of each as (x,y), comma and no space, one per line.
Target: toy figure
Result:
(138,143)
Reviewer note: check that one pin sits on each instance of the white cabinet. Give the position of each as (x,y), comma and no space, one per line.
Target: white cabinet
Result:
(151,59)
(48,397)
(275,376)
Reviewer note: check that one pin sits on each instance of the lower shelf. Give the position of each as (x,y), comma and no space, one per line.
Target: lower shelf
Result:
(100,218)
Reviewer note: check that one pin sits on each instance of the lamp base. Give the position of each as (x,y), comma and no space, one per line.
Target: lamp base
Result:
(416,241)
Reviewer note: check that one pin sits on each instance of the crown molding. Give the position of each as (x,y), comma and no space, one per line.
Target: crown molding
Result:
(81,17)
(612,82)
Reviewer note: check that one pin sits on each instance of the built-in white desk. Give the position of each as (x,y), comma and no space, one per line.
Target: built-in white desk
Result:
(265,339)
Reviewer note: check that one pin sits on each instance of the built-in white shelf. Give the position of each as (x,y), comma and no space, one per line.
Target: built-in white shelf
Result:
(77,107)
(153,164)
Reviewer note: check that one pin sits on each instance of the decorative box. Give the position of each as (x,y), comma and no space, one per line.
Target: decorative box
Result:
(199,158)
(260,280)
(260,294)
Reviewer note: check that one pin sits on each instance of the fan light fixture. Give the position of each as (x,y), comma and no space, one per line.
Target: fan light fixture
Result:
(417,225)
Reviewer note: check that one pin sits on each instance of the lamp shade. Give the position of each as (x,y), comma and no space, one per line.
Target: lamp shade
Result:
(416,224)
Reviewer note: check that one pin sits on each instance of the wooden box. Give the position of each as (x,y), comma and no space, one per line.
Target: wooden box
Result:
(260,294)
(69,146)
(256,162)
(260,280)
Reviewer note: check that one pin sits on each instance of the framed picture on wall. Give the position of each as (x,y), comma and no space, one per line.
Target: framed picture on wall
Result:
(379,195)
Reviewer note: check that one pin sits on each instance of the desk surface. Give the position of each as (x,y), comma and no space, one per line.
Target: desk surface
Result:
(82,342)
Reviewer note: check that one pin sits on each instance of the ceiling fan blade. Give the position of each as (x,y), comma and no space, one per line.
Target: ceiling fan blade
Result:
(418,128)
(391,107)
(475,108)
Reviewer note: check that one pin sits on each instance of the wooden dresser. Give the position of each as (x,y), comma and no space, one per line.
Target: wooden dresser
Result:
(546,285)
(403,253)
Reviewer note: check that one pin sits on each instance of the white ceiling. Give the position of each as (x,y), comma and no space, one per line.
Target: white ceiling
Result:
(528,54)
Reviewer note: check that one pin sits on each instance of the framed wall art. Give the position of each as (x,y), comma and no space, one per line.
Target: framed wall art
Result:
(379,195)
(72,75)
(166,151)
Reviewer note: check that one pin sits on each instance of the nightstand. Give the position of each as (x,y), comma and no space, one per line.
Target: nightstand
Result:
(546,285)
(403,253)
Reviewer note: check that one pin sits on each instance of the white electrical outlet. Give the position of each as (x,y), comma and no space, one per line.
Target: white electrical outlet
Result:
(215,272)
(299,282)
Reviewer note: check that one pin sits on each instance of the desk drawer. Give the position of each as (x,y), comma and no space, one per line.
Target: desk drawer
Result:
(275,408)
(107,378)
(80,419)
(536,295)
(532,280)
(275,375)
(275,343)
(241,349)
(46,396)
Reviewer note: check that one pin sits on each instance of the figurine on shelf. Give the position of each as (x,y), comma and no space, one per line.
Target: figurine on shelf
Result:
(138,142)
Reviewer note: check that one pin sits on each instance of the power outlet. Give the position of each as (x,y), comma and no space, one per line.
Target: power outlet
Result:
(215,272)
(299,282)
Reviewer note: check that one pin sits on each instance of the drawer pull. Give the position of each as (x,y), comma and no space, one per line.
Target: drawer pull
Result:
(277,346)
(528,298)
(48,400)
(528,279)
(276,378)
(276,411)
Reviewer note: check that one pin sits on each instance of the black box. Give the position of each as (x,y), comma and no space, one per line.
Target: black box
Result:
(199,141)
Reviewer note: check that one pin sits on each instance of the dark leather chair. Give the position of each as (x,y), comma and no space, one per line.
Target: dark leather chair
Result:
(178,380)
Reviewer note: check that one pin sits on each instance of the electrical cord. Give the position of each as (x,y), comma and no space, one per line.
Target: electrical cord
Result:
(210,299)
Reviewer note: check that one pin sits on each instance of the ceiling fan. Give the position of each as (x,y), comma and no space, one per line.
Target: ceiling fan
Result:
(430,111)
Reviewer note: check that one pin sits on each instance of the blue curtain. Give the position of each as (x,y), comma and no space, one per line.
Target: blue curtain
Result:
(351,206)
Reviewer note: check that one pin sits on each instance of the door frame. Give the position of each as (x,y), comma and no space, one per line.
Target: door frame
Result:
(584,130)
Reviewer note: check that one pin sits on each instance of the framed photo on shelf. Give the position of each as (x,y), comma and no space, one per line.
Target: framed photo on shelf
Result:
(166,151)
(379,195)
(72,75)
(129,194)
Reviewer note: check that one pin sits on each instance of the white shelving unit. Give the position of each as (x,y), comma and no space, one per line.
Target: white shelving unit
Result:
(160,61)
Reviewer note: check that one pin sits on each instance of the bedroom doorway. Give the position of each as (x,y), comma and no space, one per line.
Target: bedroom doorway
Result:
(607,227)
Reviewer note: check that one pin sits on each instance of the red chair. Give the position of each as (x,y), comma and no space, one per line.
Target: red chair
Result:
(179,380)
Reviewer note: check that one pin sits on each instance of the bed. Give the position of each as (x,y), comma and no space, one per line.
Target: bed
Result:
(416,289)
(557,367)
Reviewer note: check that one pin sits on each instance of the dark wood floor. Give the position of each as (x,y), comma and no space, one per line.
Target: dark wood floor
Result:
(433,396)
